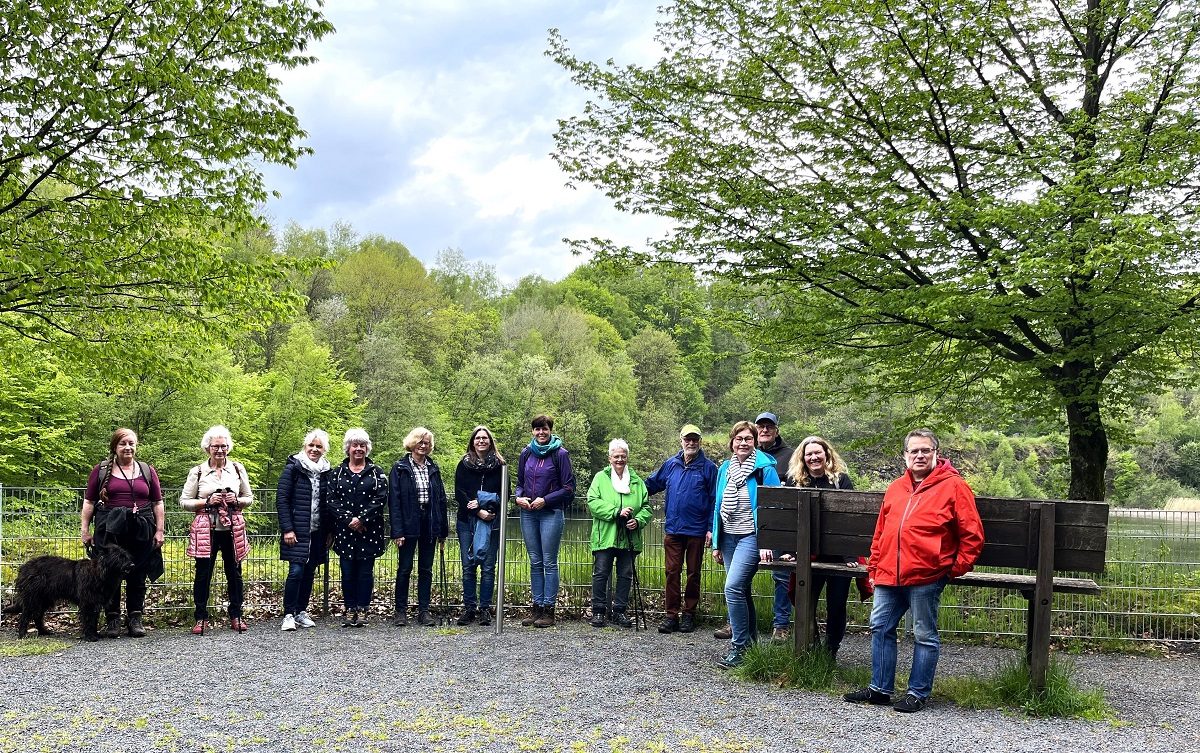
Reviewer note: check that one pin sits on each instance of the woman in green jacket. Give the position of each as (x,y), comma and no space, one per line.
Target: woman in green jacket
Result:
(620,510)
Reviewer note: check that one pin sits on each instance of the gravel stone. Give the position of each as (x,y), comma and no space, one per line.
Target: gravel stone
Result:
(569,688)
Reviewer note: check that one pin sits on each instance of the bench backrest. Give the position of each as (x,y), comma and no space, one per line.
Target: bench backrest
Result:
(842,523)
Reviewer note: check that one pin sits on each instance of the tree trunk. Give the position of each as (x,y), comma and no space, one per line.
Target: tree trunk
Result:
(1087,445)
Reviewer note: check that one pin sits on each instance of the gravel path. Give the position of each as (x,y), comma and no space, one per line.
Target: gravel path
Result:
(570,688)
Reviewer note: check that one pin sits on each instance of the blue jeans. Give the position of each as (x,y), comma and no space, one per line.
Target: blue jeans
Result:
(782,605)
(740,555)
(891,602)
(486,569)
(542,531)
(358,583)
(297,589)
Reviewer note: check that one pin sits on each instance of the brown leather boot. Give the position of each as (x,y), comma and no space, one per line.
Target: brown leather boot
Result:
(547,618)
(535,614)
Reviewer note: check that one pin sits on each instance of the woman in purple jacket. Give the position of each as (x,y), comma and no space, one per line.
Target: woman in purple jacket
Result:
(545,485)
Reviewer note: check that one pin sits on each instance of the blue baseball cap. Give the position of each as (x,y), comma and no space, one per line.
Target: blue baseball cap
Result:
(766,417)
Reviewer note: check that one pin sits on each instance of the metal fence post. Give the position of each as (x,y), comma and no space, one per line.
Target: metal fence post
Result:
(501,559)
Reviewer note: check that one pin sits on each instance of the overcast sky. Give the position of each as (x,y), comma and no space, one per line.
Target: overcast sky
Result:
(432,124)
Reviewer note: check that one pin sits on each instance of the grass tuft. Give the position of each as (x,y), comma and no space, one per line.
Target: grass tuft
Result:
(33,647)
(774,663)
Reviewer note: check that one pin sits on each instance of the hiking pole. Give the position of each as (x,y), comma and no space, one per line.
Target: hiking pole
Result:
(503,513)
(639,606)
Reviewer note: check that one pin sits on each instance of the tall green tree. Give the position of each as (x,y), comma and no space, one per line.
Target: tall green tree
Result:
(131,139)
(953,190)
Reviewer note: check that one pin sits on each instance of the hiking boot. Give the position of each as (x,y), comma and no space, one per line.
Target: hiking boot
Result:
(868,695)
(547,618)
(350,619)
(304,621)
(289,623)
(598,618)
(780,635)
(112,626)
(910,703)
(620,619)
(735,658)
(201,627)
(485,616)
(467,617)
(426,619)
(238,624)
(669,625)
(687,623)
(134,626)
(362,620)
(724,633)
(401,619)
(534,615)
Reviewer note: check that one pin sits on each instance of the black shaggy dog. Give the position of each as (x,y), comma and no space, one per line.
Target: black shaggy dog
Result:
(44,581)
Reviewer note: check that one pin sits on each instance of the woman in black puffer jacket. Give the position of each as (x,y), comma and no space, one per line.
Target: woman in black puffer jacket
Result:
(304,524)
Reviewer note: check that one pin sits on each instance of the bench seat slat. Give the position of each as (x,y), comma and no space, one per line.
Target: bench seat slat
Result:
(985,580)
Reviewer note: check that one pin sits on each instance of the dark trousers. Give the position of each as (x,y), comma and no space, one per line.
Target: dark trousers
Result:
(297,589)
(602,568)
(358,583)
(837,590)
(135,582)
(424,548)
(677,550)
(222,544)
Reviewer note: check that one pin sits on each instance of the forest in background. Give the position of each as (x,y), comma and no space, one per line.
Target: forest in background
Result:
(381,341)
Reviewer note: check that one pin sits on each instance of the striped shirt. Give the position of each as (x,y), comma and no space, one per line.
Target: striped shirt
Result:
(736,515)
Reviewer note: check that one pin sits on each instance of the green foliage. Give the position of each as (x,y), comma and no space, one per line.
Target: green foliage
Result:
(776,664)
(131,138)
(1009,686)
(1013,241)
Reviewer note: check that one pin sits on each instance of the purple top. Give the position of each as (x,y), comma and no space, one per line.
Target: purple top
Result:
(140,492)
(536,478)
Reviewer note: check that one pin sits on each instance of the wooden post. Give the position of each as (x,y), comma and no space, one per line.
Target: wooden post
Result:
(1037,647)
(804,618)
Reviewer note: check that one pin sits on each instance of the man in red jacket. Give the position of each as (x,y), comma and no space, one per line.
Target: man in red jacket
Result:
(928,532)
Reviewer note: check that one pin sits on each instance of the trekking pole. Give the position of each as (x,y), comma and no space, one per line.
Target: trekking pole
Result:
(639,607)
(503,513)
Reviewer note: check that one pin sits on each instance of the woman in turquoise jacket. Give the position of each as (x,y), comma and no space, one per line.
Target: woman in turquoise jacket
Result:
(620,510)
(735,532)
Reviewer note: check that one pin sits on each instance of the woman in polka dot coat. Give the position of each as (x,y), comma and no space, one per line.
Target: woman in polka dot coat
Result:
(358,493)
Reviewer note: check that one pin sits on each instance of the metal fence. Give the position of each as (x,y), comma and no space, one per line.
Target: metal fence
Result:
(1150,590)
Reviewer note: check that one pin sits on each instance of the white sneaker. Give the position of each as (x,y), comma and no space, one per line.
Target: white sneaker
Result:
(304,621)
(289,623)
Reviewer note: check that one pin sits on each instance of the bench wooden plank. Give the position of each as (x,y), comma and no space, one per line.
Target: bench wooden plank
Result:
(1014,581)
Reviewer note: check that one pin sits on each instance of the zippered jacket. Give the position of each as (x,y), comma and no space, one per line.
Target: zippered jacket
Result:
(690,491)
(925,531)
(764,474)
(605,503)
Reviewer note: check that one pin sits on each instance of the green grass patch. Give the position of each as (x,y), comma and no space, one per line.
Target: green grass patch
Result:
(1008,687)
(33,647)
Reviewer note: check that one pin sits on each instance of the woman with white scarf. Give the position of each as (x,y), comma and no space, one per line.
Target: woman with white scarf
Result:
(735,533)
(620,510)
(306,525)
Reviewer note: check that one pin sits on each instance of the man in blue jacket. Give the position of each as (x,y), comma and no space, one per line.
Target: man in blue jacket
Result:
(689,479)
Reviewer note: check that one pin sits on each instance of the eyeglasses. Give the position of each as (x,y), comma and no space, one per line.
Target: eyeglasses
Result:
(737,440)
(218,447)
(922,451)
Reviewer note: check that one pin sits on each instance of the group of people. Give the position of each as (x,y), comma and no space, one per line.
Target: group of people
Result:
(928,531)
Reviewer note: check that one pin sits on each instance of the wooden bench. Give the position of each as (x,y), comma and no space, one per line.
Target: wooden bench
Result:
(1039,535)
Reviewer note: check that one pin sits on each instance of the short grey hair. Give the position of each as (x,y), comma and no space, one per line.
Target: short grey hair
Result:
(318,435)
(215,432)
(618,444)
(928,434)
(355,435)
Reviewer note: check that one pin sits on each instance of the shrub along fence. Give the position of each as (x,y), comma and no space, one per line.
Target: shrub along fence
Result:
(1150,590)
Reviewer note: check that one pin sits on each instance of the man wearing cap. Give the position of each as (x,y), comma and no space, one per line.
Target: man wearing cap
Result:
(771,443)
(689,479)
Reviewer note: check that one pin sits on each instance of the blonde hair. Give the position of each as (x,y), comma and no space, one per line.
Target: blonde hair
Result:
(797,470)
(416,435)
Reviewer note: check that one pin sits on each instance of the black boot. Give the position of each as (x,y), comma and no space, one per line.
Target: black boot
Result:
(599,618)
(112,627)
(133,625)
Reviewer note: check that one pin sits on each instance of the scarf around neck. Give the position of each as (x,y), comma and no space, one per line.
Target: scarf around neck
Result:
(542,450)
(485,464)
(620,483)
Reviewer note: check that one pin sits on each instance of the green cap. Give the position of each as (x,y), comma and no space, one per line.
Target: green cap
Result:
(690,429)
